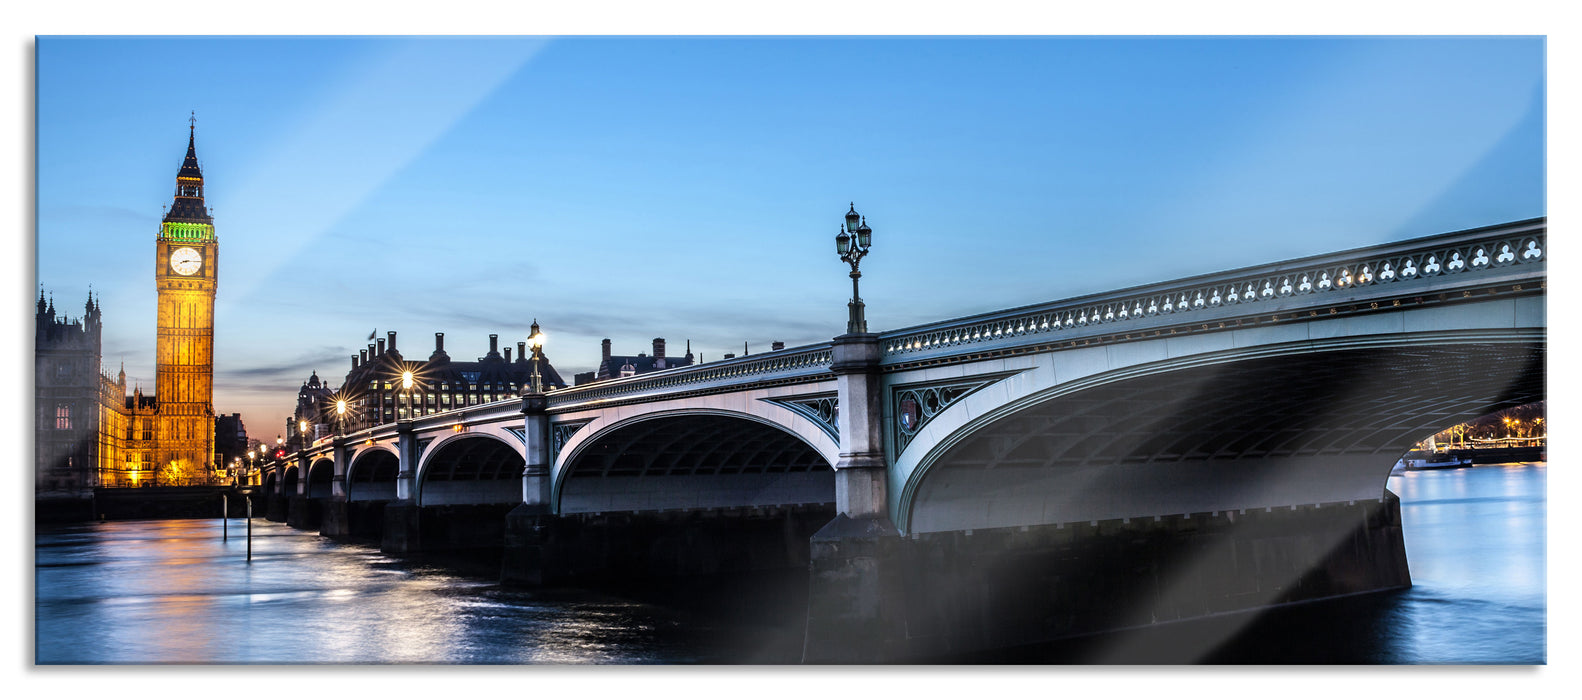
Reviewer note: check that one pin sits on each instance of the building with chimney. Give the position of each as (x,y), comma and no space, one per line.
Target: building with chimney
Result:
(374,393)
(617,366)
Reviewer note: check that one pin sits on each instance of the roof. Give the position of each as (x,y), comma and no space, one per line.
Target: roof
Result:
(641,363)
(186,207)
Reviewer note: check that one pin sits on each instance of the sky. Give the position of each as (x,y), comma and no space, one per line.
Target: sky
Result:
(690,188)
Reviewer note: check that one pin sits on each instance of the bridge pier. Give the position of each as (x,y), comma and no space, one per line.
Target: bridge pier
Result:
(946,593)
(853,612)
(622,549)
(304,513)
(336,520)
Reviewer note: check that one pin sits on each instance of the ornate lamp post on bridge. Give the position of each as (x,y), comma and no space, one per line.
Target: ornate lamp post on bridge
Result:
(406,388)
(852,244)
(537,341)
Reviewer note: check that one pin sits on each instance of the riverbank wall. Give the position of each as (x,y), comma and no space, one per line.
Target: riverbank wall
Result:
(154,502)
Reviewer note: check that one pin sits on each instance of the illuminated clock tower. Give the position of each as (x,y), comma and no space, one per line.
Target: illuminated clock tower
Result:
(186,256)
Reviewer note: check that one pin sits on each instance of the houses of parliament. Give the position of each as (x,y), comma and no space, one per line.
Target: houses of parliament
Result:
(89,431)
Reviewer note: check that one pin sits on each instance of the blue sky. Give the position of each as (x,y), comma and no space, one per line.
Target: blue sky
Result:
(634,188)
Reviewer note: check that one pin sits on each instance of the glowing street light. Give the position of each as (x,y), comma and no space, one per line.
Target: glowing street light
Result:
(406,388)
(852,244)
(340,416)
(537,341)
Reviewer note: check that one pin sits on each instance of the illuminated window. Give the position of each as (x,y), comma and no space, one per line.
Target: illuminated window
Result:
(62,416)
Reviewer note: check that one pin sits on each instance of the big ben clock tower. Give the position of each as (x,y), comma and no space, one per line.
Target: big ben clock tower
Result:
(186,258)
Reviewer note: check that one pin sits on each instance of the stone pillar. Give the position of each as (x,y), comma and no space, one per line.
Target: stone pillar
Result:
(341,455)
(529,528)
(860,475)
(406,452)
(336,515)
(854,606)
(402,531)
(299,514)
(536,477)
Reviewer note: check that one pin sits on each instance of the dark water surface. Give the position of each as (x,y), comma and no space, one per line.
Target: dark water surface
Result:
(171,591)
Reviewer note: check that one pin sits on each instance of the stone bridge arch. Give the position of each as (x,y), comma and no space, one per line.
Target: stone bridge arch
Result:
(371,474)
(1286,424)
(695,458)
(470,468)
(321,477)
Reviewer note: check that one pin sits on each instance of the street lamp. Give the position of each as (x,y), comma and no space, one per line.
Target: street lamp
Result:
(340,416)
(302,430)
(852,244)
(406,388)
(537,341)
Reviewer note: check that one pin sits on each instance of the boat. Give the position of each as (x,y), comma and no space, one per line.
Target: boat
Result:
(1415,460)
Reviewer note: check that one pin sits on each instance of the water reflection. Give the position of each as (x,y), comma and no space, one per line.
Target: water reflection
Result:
(174,592)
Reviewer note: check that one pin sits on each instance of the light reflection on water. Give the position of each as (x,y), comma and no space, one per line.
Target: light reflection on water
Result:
(1475,541)
(173,592)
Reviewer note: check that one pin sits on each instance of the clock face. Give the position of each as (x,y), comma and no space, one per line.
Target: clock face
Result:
(185,261)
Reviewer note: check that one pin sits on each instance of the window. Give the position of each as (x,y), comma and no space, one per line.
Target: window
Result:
(63,416)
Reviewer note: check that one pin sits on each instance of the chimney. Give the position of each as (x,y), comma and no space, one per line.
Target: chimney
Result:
(364,353)
(521,351)
(508,355)
(777,345)
(381,345)
(392,341)
(730,355)
(354,362)
(659,348)
(494,345)
(606,346)
(439,342)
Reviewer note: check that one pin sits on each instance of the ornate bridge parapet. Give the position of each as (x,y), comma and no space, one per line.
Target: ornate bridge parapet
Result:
(1430,265)
(793,365)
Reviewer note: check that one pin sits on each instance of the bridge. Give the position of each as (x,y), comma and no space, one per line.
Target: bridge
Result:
(1162,452)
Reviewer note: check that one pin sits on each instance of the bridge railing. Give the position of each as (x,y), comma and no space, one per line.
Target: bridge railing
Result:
(793,362)
(1472,253)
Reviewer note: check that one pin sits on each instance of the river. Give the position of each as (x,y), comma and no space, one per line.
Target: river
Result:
(174,591)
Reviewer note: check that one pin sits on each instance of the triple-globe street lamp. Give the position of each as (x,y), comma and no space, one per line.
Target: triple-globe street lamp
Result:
(852,244)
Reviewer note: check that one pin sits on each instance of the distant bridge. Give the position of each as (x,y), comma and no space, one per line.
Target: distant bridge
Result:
(1292,386)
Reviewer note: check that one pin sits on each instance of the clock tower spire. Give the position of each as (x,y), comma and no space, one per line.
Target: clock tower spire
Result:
(185,274)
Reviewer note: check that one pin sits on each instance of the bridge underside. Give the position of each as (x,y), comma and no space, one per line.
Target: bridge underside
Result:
(1273,431)
(695,461)
(472,471)
(372,477)
(321,475)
